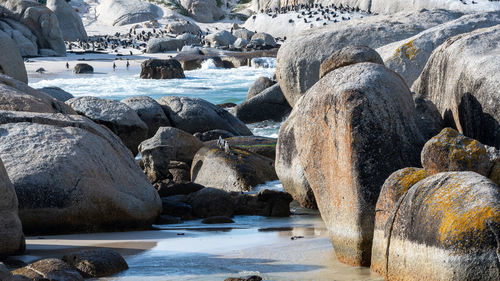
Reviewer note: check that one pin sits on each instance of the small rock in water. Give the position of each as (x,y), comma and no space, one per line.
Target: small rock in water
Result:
(296,237)
(245,278)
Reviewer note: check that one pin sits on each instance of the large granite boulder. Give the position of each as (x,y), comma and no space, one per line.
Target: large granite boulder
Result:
(265,38)
(445,227)
(243,33)
(184,145)
(181,27)
(270,104)
(393,6)
(195,115)
(236,170)
(395,187)
(49,269)
(352,129)
(258,86)
(209,202)
(78,177)
(18,96)
(161,45)
(299,58)
(289,168)
(95,263)
(21,35)
(122,12)
(220,38)
(161,69)
(117,116)
(347,56)
(205,11)
(40,20)
(11,230)
(57,93)
(451,151)
(69,21)
(409,56)
(11,62)
(150,111)
(462,78)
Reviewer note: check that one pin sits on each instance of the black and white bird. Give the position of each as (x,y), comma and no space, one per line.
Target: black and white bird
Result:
(41,70)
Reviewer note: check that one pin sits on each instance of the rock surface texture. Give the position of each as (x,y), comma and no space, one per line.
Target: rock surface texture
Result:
(299,58)
(462,78)
(117,116)
(122,12)
(78,177)
(205,11)
(150,111)
(11,62)
(352,129)
(69,21)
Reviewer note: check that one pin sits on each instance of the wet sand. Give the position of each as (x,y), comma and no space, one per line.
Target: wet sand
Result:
(194,251)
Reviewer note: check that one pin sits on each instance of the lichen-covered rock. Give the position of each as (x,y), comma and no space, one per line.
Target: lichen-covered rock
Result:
(96,263)
(122,12)
(195,115)
(210,202)
(409,56)
(150,111)
(352,129)
(11,231)
(446,227)
(117,116)
(451,151)
(289,169)
(299,58)
(347,56)
(462,79)
(11,62)
(395,187)
(78,177)
(270,104)
(161,69)
(237,170)
(49,269)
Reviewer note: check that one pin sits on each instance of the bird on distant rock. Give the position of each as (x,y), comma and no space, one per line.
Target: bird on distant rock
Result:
(67,65)
(114,66)
(227,147)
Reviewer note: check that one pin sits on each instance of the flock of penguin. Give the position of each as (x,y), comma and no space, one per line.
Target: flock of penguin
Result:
(315,13)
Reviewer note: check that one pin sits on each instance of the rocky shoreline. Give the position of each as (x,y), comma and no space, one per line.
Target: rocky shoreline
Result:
(391,131)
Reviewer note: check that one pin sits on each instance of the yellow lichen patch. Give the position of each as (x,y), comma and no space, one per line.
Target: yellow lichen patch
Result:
(408,48)
(409,179)
(460,211)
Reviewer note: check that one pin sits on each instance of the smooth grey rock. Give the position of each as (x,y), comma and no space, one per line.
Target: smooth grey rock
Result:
(150,111)
(95,263)
(123,12)
(11,62)
(117,116)
(270,104)
(462,78)
(409,56)
(160,45)
(189,39)
(205,11)
(181,27)
(197,115)
(258,86)
(161,69)
(240,43)
(21,35)
(78,177)
(210,202)
(243,34)
(69,21)
(220,38)
(299,58)
(57,93)
(83,68)
(267,39)
(49,269)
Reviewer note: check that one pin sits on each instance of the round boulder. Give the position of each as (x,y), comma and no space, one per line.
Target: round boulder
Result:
(270,104)
(452,151)
(258,86)
(79,177)
(57,93)
(150,111)
(210,202)
(161,69)
(96,263)
(347,56)
(83,68)
(117,116)
(69,21)
(49,269)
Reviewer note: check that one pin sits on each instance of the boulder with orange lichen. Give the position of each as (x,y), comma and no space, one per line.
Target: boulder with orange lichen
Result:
(452,151)
(393,189)
(446,227)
